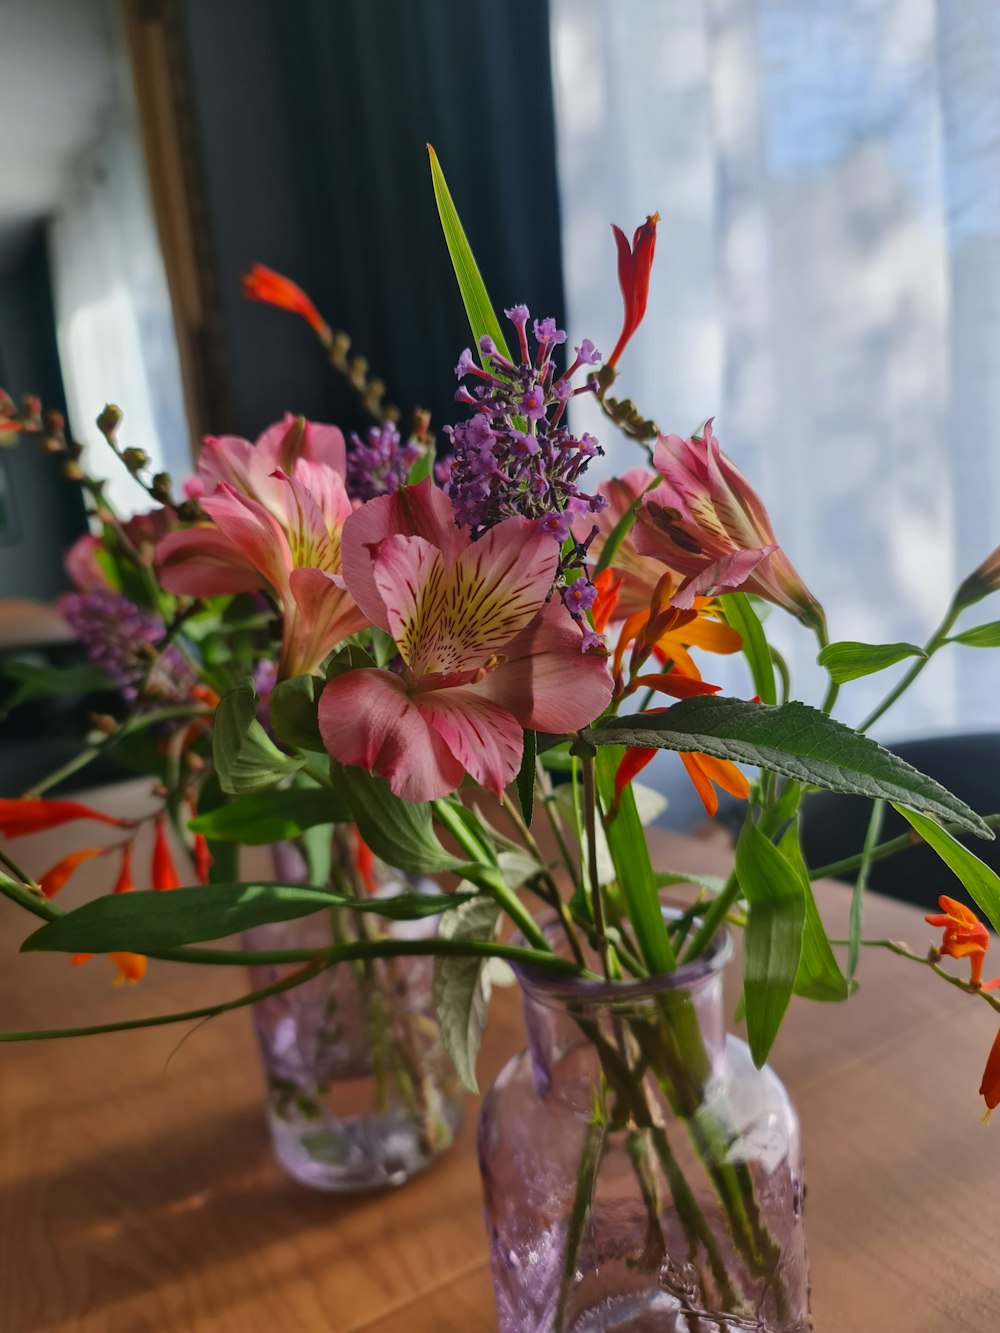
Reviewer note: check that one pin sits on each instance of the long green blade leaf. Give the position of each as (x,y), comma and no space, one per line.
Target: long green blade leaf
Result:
(478,306)
(982,883)
(740,615)
(633,870)
(772,945)
(819,976)
(149,922)
(792,739)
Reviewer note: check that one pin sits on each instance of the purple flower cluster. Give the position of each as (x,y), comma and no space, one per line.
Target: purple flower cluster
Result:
(117,634)
(379,464)
(515,456)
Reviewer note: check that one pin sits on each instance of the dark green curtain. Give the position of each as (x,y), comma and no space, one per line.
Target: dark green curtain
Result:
(312,118)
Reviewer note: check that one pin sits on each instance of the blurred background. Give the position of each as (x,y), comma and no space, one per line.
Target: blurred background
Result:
(827,280)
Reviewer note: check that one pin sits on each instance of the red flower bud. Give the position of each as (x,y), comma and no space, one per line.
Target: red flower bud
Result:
(264,284)
(634,264)
(164,872)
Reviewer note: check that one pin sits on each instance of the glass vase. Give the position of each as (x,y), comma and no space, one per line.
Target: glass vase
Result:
(639,1173)
(361,1093)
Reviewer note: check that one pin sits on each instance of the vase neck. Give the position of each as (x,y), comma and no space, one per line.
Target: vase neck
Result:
(671,1027)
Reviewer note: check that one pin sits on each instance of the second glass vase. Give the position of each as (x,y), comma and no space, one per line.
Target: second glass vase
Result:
(361,1093)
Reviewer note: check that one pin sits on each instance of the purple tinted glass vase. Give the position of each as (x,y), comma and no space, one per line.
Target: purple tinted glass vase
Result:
(639,1173)
(361,1093)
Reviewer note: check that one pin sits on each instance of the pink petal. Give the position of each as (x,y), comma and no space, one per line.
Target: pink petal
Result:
(412,511)
(318,444)
(547,683)
(318,617)
(410,577)
(253,531)
(306,527)
(227,459)
(367,719)
(724,575)
(202,562)
(482,736)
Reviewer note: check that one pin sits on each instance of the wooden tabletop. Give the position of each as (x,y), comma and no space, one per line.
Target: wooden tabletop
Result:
(140,1195)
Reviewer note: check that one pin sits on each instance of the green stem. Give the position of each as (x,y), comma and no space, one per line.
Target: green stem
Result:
(596,902)
(928,960)
(936,640)
(490,879)
(861,884)
(555,823)
(586,1181)
(715,914)
(833,869)
(382,948)
(162,1020)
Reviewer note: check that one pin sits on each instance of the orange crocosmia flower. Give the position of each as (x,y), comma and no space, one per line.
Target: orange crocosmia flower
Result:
(606,601)
(131,967)
(364,860)
(989,1089)
(125,883)
(35,815)
(164,872)
(676,683)
(264,284)
(965,936)
(704,770)
(202,858)
(53,880)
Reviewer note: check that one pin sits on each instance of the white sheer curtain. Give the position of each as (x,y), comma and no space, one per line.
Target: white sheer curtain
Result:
(113,316)
(827,285)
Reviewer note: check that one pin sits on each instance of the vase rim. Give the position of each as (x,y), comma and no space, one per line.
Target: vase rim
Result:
(543,984)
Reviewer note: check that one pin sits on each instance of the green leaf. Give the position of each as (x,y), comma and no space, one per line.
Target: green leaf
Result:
(149,922)
(478,306)
(792,739)
(292,711)
(982,883)
(424,466)
(37,680)
(848,660)
(462,986)
(740,616)
(666,879)
(819,976)
(400,832)
(258,818)
(246,759)
(772,945)
(980,636)
(526,777)
(633,870)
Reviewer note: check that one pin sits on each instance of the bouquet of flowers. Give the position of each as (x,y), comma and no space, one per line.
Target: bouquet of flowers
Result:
(464,665)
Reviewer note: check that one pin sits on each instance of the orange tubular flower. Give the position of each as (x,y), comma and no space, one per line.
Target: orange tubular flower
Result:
(264,284)
(202,858)
(364,860)
(34,815)
(989,1089)
(634,264)
(164,872)
(55,879)
(965,936)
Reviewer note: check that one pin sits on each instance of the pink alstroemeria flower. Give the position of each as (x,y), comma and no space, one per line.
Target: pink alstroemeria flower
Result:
(484,655)
(706,522)
(273,528)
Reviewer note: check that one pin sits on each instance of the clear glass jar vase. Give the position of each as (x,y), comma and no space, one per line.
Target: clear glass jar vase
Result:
(361,1093)
(639,1173)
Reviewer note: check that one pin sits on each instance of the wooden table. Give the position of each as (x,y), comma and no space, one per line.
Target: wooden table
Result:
(139,1195)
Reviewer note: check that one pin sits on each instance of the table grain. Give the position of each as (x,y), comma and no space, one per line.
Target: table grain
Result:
(138,1191)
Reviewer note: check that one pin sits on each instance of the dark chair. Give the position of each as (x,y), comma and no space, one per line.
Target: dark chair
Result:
(834,826)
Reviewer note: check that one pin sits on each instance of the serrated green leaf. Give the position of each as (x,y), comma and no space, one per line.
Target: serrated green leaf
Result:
(980,636)
(246,759)
(772,944)
(982,883)
(462,986)
(260,818)
(148,922)
(400,832)
(475,297)
(849,660)
(791,739)
(292,712)
(819,976)
(740,616)
(526,777)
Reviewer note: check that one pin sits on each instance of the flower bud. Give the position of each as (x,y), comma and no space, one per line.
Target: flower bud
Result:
(135,460)
(160,487)
(72,471)
(104,723)
(110,419)
(981,582)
